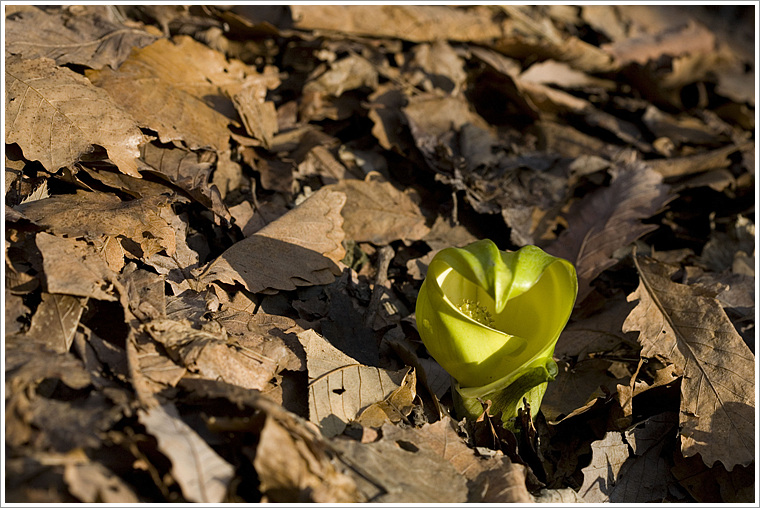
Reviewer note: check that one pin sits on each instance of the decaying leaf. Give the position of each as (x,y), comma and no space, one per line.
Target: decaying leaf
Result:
(150,370)
(300,248)
(259,116)
(598,332)
(377,212)
(608,220)
(272,336)
(339,386)
(686,326)
(347,73)
(202,474)
(218,218)
(41,97)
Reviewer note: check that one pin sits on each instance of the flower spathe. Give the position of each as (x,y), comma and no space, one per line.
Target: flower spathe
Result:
(491,318)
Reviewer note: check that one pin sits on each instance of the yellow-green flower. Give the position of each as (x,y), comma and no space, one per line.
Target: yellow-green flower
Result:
(492,318)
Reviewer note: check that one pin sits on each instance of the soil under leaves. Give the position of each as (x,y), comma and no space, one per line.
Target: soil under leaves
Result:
(218,219)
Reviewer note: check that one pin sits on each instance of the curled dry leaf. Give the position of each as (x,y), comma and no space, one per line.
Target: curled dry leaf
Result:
(686,326)
(607,220)
(202,474)
(190,171)
(395,407)
(300,248)
(41,97)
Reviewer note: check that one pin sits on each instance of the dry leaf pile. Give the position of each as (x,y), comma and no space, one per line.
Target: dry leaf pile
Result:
(218,219)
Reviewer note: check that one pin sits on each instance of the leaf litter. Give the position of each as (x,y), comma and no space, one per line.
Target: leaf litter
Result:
(211,270)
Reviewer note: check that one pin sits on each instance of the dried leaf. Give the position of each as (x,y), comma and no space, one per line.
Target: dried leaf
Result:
(492,480)
(551,72)
(714,485)
(145,292)
(65,425)
(202,474)
(163,86)
(211,356)
(340,387)
(189,171)
(55,321)
(600,477)
(685,39)
(92,482)
(347,73)
(56,116)
(400,473)
(269,335)
(258,115)
(680,166)
(442,64)
(293,467)
(89,40)
(607,220)
(396,406)
(661,375)
(138,221)
(577,386)
(687,326)
(300,248)
(418,23)
(377,212)
(601,331)
(74,268)
(645,478)
(150,370)
(15,311)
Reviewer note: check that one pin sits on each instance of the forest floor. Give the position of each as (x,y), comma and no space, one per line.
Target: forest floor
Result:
(218,219)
